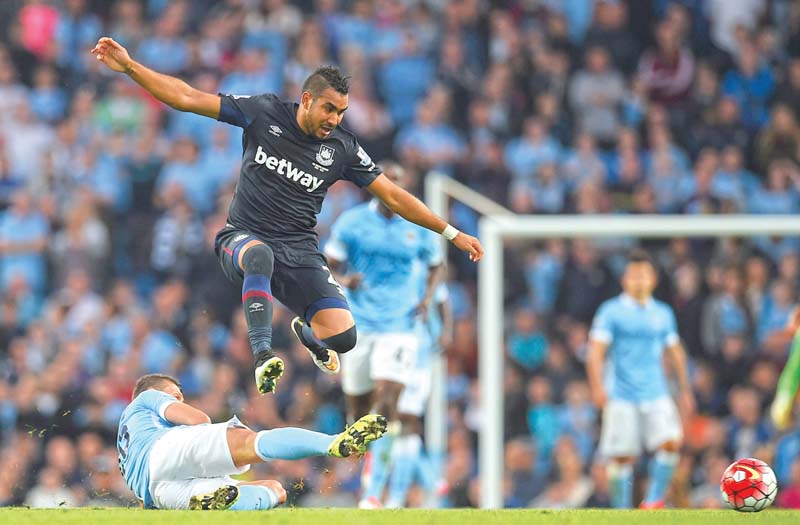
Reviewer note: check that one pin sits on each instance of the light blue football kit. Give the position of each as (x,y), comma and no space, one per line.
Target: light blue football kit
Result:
(165,464)
(637,335)
(639,407)
(142,423)
(387,252)
(410,460)
(384,250)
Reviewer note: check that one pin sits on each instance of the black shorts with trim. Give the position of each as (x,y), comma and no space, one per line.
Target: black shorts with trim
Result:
(300,280)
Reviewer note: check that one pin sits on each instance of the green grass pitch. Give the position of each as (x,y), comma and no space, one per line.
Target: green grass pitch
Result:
(395,517)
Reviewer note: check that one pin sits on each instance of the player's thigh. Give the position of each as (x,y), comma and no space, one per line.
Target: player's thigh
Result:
(394,357)
(356,378)
(176,494)
(197,451)
(414,397)
(312,293)
(661,423)
(620,434)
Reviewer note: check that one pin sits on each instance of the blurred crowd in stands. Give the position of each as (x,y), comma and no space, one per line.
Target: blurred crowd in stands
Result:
(110,202)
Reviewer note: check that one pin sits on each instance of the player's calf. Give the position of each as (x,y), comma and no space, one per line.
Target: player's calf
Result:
(259,495)
(257,260)
(326,359)
(661,470)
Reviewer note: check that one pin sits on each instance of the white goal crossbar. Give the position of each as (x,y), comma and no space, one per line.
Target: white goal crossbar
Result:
(494,228)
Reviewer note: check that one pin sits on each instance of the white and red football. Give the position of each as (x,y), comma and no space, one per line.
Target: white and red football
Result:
(749,485)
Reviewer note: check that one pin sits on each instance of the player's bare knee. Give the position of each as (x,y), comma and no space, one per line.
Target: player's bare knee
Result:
(343,342)
(258,259)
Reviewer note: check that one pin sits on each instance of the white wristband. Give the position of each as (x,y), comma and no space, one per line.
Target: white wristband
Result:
(450,232)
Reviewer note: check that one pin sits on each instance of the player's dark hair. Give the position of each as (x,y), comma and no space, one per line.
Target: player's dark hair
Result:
(639,256)
(149,381)
(326,77)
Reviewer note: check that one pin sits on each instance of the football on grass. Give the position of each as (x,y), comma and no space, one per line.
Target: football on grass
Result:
(749,485)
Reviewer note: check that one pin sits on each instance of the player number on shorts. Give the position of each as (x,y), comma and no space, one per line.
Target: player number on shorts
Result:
(402,356)
(333,281)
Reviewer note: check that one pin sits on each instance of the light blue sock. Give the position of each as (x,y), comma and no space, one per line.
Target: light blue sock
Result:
(291,443)
(405,455)
(374,481)
(662,467)
(426,473)
(620,480)
(255,497)
(429,475)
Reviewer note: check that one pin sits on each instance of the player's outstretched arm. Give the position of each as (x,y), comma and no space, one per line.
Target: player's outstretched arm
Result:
(172,91)
(594,371)
(677,355)
(414,210)
(431,282)
(179,413)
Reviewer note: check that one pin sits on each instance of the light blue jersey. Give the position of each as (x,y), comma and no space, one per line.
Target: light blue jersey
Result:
(141,424)
(384,252)
(637,335)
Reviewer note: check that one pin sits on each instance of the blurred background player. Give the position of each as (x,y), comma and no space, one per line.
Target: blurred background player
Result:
(292,155)
(173,457)
(373,252)
(633,330)
(786,393)
(410,461)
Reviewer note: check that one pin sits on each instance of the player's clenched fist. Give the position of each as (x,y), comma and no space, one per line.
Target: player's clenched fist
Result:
(112,54)
(469,244)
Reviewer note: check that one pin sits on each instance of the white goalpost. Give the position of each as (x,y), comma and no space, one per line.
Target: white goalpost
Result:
(494,229)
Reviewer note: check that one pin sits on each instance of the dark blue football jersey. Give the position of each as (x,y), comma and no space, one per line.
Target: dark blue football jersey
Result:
(285,173)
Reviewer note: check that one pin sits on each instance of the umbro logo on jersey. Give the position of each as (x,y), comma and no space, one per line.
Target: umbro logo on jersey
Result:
(284,167)
(275,130)
(256,307)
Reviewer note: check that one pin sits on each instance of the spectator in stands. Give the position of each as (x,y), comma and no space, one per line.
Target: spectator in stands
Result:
(746,428)
(573,487)
(520,471)
(725,312)
(405,78)
(165,50)
(609,31)
(668,71)
(779,193)
(76,31)
(751,84)
(525,154)
(780,139)
(586,282)
(23,238)
(595,95)
(430,143)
